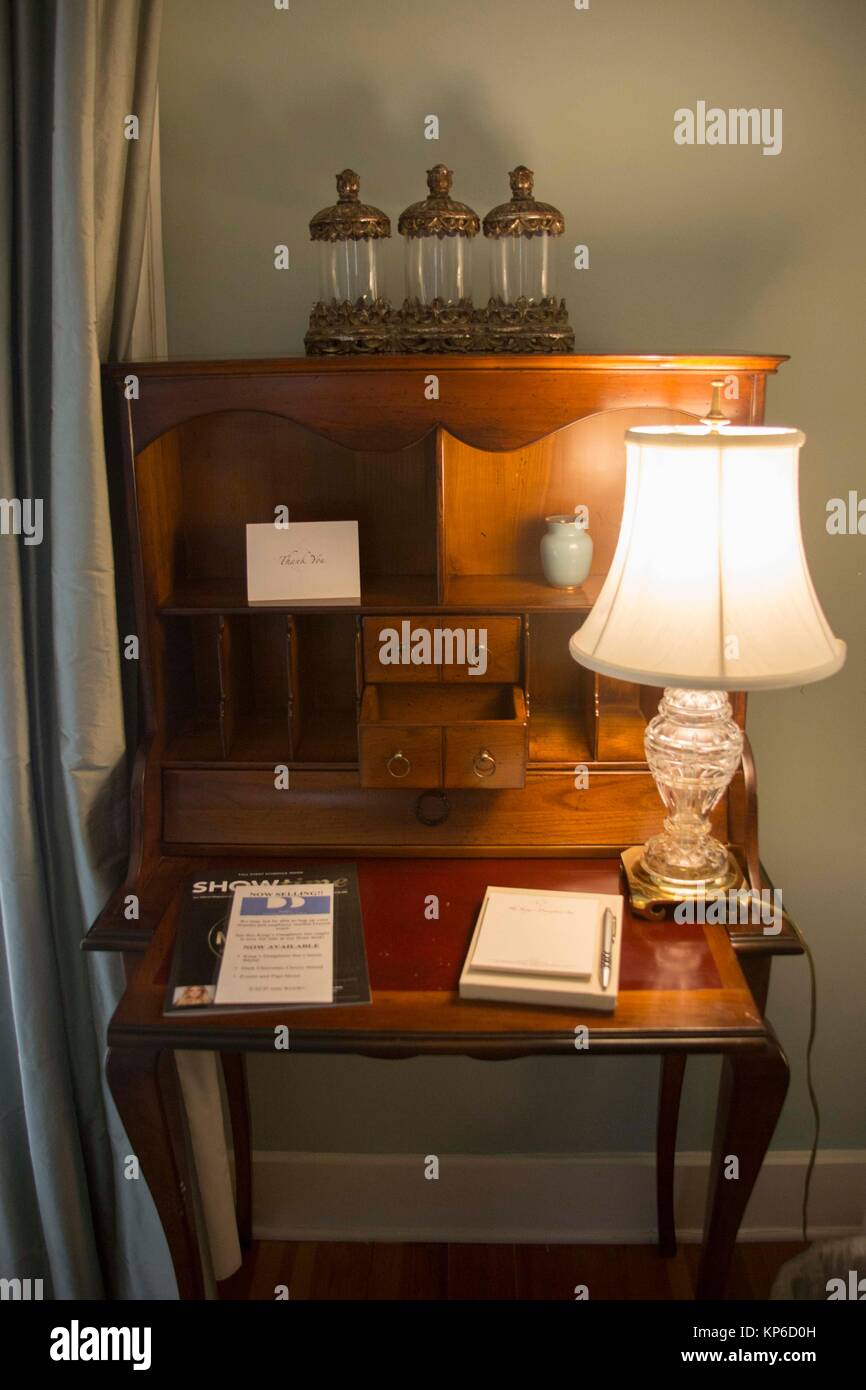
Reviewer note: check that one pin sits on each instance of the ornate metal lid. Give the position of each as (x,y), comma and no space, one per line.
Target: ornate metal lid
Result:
(523,216)
(349,219)
(439,214)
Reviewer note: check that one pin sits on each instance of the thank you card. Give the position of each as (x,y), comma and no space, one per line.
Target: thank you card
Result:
(303,563)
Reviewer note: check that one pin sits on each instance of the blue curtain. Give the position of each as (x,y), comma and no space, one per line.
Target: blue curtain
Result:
(73,191)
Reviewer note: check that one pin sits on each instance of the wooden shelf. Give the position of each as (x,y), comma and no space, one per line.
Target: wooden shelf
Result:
(520,592)
(394,594)
(381,593)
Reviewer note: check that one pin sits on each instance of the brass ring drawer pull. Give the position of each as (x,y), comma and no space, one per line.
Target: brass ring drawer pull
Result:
(484,763)
(400,760)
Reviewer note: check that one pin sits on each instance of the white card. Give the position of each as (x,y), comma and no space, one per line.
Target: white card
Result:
(546,933)
(279,946)
(305,562)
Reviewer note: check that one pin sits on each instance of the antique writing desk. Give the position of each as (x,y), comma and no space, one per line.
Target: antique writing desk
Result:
(435,782)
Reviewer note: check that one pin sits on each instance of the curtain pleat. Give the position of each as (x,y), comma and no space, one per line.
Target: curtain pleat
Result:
(73,198)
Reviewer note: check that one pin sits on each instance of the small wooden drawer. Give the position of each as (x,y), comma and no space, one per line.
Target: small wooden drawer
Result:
(380,649)
(448,735)
(499,641)
(485,756)
(442,647)
(400,756)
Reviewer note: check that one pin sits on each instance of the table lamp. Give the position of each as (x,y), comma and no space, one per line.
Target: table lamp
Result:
(708,591)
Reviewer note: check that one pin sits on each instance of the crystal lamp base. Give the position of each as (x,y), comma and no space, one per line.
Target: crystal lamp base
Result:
(693,749)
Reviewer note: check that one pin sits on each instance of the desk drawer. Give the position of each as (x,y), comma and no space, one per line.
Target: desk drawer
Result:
(444,735)
(493,642)
(388,641)
(485,756)
(400,756)
(497,641)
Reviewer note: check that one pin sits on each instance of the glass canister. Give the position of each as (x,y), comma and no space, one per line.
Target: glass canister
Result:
(352,313)
(437,314)
(523,314)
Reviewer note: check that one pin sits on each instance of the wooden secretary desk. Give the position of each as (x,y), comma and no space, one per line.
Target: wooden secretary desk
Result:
(423,775)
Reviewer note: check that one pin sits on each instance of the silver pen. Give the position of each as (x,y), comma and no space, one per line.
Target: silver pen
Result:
(608,935)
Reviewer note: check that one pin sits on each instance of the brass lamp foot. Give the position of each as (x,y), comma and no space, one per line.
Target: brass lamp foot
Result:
(652,898)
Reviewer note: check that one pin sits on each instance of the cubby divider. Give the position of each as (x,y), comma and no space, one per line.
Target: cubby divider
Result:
(261,688)
(226,703)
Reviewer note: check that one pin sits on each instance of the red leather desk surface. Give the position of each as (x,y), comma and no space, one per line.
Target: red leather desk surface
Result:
(407,950)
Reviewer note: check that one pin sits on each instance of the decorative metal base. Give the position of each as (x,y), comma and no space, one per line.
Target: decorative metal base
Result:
(345,329)
(436,327)
(342,329)
(526,326)
(653,899)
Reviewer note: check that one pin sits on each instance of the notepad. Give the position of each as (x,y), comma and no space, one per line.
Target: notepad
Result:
(525,931)
(537,946)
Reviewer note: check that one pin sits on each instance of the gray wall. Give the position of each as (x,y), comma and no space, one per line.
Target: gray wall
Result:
(691,250)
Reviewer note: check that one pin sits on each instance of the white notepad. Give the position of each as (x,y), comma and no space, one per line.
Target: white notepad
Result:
(537,946)
(538,933)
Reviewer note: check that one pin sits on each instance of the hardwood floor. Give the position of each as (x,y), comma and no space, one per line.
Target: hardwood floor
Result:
(544,1272)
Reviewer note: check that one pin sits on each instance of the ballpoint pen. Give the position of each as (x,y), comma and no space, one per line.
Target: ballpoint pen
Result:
(608,935)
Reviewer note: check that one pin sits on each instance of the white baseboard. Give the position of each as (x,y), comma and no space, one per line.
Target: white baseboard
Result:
(536,1199)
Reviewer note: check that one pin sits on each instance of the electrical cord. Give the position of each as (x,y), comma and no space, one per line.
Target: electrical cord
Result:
(810,1084)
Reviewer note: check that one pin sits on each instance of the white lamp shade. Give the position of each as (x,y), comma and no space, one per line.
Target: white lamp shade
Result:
(709,587)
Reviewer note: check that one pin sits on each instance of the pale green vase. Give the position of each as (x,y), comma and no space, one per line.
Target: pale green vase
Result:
(566,553)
